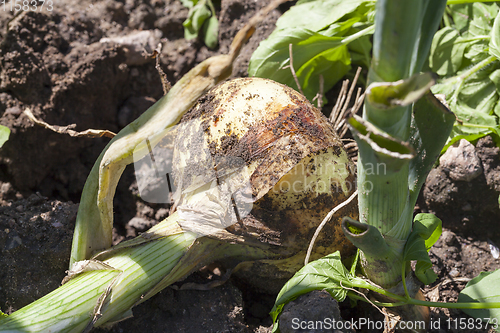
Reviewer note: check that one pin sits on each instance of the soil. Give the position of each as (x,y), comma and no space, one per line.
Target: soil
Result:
(54,63)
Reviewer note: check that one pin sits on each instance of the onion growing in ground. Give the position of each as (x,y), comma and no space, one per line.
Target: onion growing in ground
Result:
(256,169)
(275,165)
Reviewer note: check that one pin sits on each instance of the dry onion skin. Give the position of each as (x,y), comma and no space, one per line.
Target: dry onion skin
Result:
(277,153)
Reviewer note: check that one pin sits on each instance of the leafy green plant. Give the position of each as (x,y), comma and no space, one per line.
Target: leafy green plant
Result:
(482,288)
(324,42)
(328,273)
(465,53)
(201,22)
(403,128)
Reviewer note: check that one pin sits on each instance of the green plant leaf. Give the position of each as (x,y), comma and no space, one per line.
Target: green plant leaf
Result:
(431,125)
(361,50)
(189,3)
(366,238)
(313,54)
(471,116)
(495,38)
(479,92)
(460,14)
(476,52)
(4,134)
(447,51)
(457,135)
(468,60)
(317,15)
(339,29)
(483,288)
(318,44)
(432,17)
(323,274)
(385,95)
(332,64)
(201,20)
(3,315)
(479,26)
(396,40)
(495,78)
(463,14)
(426,231)
(211,32)
(475,30)
(198,14)
(378,147)
(475,102)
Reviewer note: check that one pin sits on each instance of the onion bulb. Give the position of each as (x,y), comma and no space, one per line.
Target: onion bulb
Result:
(254,159)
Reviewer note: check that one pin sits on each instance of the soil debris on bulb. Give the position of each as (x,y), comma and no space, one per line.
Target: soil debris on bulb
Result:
(279,160)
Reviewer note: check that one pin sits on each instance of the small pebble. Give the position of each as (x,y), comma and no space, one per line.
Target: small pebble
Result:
(461,162)
(495,252)
(454,273)
(447,237)
(5,187)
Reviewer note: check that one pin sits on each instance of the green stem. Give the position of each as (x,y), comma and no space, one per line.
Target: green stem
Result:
(136,270)
(472,39)
(471,71)
(403,280)
(358,297)
(446,21)
(475,305)
(383,208)
(70,308)
(460,2)
(397,29)
(404,300)
(401,41)
(479,66)
(475,125)
(358,34)
(462,77)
